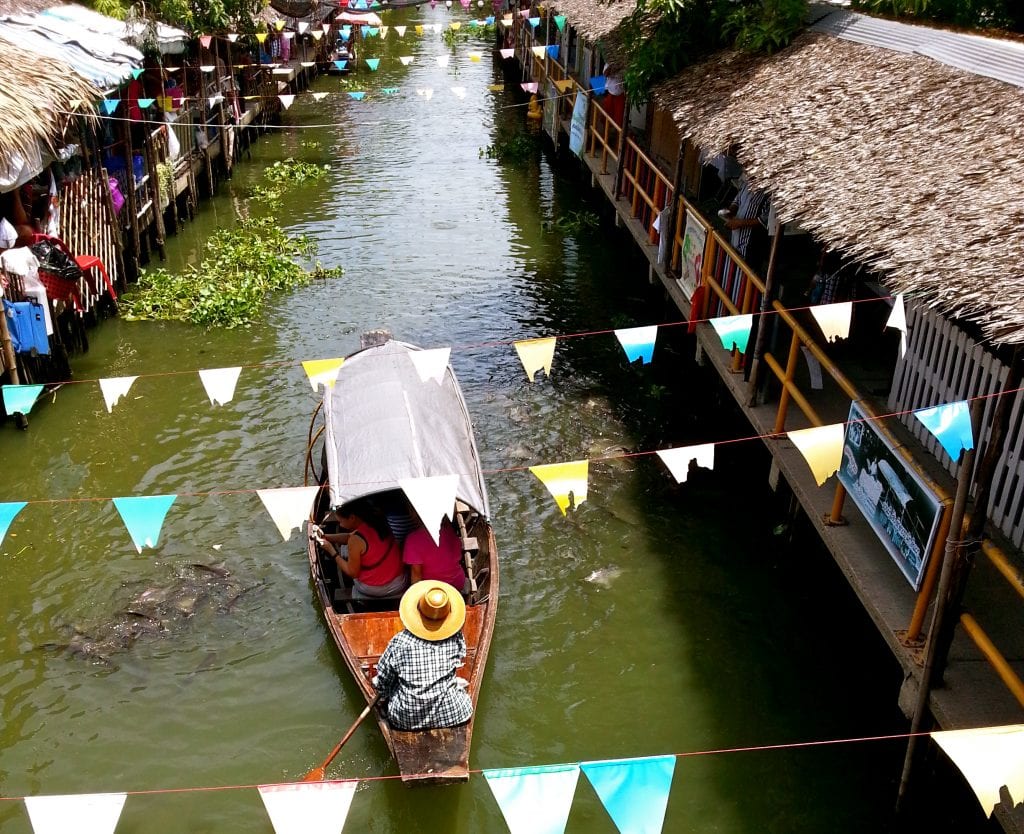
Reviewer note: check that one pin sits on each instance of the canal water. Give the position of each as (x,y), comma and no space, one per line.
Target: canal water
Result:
(660,618)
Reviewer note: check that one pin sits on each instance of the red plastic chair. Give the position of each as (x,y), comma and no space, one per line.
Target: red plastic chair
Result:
(85,262)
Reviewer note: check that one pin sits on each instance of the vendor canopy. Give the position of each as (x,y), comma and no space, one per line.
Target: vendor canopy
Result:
(168,39)
(384,424)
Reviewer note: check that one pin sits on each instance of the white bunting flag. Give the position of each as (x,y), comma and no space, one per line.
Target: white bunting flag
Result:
(988,757)
(308,807)
(427,93)
(400,30)
(232,36)
(303,26)
(431,364)
(307,63)
(539,51)
(288,506)
(95,813)
(534,800)
(220,384)
(406,60)
(322,371)
(833,319)
(114,388)
(822,448)
(433,498)
(287,35)
(317,34)
(459,92)
(507,53)
(678,460)
(208,68)
(384,32)
(898,320)
(213,101)
(319,96)
(536,354)
(442,60)
(287,99)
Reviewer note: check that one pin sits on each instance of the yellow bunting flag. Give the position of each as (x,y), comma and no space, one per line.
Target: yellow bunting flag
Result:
(475,57)
(822,448)
(279,24)
(322,371)
(74,103)
(261,36)
(456,25)
(539,51)
(833,319)
(419,30)
(567,482)
(496,88)
(564,85)
(536,354)
(988,757)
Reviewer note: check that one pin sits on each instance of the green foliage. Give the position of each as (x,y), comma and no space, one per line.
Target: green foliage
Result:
(229,286)
(267,195)
(767,26)
(465,32)
(165,179)
(574,222)
(200,15)
(969,14)
(294,172)
(511,146)
(111,8)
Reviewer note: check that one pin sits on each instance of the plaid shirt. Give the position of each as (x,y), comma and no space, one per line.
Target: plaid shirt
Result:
(417,679)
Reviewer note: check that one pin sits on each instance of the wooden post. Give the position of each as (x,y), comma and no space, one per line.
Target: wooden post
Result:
(131,198)
(761,342)
(158,215)
(794,352)
(673,210)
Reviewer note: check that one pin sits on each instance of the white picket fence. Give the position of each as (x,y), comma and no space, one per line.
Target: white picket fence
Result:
(944,364)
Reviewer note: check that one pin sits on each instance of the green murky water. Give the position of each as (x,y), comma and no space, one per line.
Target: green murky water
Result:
(659,619)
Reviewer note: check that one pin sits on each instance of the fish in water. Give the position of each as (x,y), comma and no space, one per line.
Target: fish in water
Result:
(157,610)
(604,576)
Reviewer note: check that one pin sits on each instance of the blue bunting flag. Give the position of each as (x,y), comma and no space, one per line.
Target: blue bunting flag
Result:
(7,513)
(144,515)
(951,425)
(634,791)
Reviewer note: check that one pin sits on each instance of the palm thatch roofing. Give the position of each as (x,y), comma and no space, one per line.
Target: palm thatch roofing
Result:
(594,21)
(894,159)
(36,94)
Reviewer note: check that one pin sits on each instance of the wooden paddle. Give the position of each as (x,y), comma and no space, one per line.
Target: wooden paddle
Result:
(318,774)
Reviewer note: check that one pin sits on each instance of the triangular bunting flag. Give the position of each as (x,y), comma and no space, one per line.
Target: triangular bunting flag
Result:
(232,36)
(357,96)
(287,99)
(261,36)
(144,515)
(373,63)
(564,84)
(496,88)
(220,384)
(114,388)
(989,758)
(319,96)
(634,792)
(287,35)
(288,506)
(459,92)
(553,51)
(534,800)
(213,101)
(205,41)
(567,482)
(346,34)
(507,53)
(317,34)
(279,24)
(137,72)
(833,319)
(524,12)
(303,26)
(89,813)
(74,104)
(325,27)
(539,51)
(406,60)
(536,354)
(433,498)
(455,25)
(323,371)
(208,67)
(400,30)
(489,20)
(529,86)
(951,425)
(533,21)
(383,32)
(341,64)
(20,398)
(431,364)
(475,57)
(307,63)
(734,331)
(898,320)
(8,511)
(389,91)
(419,30)
(560,22)
(146,103)
(110,105)
(428,93)
(442,60)
(597,84)
(638,342)
(507,19)
(822,448)
(678,460)
(308,807)
(364,30)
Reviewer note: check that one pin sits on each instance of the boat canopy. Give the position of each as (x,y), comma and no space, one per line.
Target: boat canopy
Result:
(383,425)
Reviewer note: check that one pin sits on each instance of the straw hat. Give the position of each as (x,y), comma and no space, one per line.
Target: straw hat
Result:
(432,610)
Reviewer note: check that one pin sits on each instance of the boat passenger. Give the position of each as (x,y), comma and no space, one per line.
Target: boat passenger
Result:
(416,676)
(442,562)
(372,557)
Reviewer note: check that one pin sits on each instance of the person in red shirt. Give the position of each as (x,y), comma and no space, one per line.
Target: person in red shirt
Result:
(372,558)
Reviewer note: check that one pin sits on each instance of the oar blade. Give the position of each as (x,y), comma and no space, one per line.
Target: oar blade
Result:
(317,774)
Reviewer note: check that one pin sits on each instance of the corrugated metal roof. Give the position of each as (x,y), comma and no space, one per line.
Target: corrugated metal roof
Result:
(1001,60)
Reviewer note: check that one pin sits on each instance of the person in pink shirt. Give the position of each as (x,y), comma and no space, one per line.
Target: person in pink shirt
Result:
(427,560)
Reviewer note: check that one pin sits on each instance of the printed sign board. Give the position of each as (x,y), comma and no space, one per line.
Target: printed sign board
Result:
(694,238)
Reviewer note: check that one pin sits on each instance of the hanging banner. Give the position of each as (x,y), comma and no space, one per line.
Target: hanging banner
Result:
(289,507)
(567,482)
(308,807)
(634,792)
(692,257)
(578,124)
(322,371)
(20,398)
(144,515)
(220,384)
(989,758)
(638,342)
(822,448)
(114,388)
(951,426)
(734,331)
(431,364)
(898,320)
(85,813)
(433,498)
(902,510)
(833,319)
(678,460)
(536,354)
(8,510)
(534,800)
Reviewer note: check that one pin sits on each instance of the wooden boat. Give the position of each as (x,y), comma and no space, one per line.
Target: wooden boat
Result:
(383,424)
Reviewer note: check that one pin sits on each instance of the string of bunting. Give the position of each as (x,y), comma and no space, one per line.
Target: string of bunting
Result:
(567,481)
(538,799)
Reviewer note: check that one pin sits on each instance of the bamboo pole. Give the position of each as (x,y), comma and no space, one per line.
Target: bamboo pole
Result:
(761,341)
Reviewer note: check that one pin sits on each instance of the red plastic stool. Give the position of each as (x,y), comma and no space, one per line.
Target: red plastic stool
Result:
(87,262)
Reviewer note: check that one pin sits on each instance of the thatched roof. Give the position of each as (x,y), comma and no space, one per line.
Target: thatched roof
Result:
(35,94)
(594,20)
(906,164)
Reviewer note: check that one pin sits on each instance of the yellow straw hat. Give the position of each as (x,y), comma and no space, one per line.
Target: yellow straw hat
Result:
(432,610)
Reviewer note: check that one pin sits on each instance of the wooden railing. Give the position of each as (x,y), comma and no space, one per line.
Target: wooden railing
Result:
(603,136)
(646,188)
